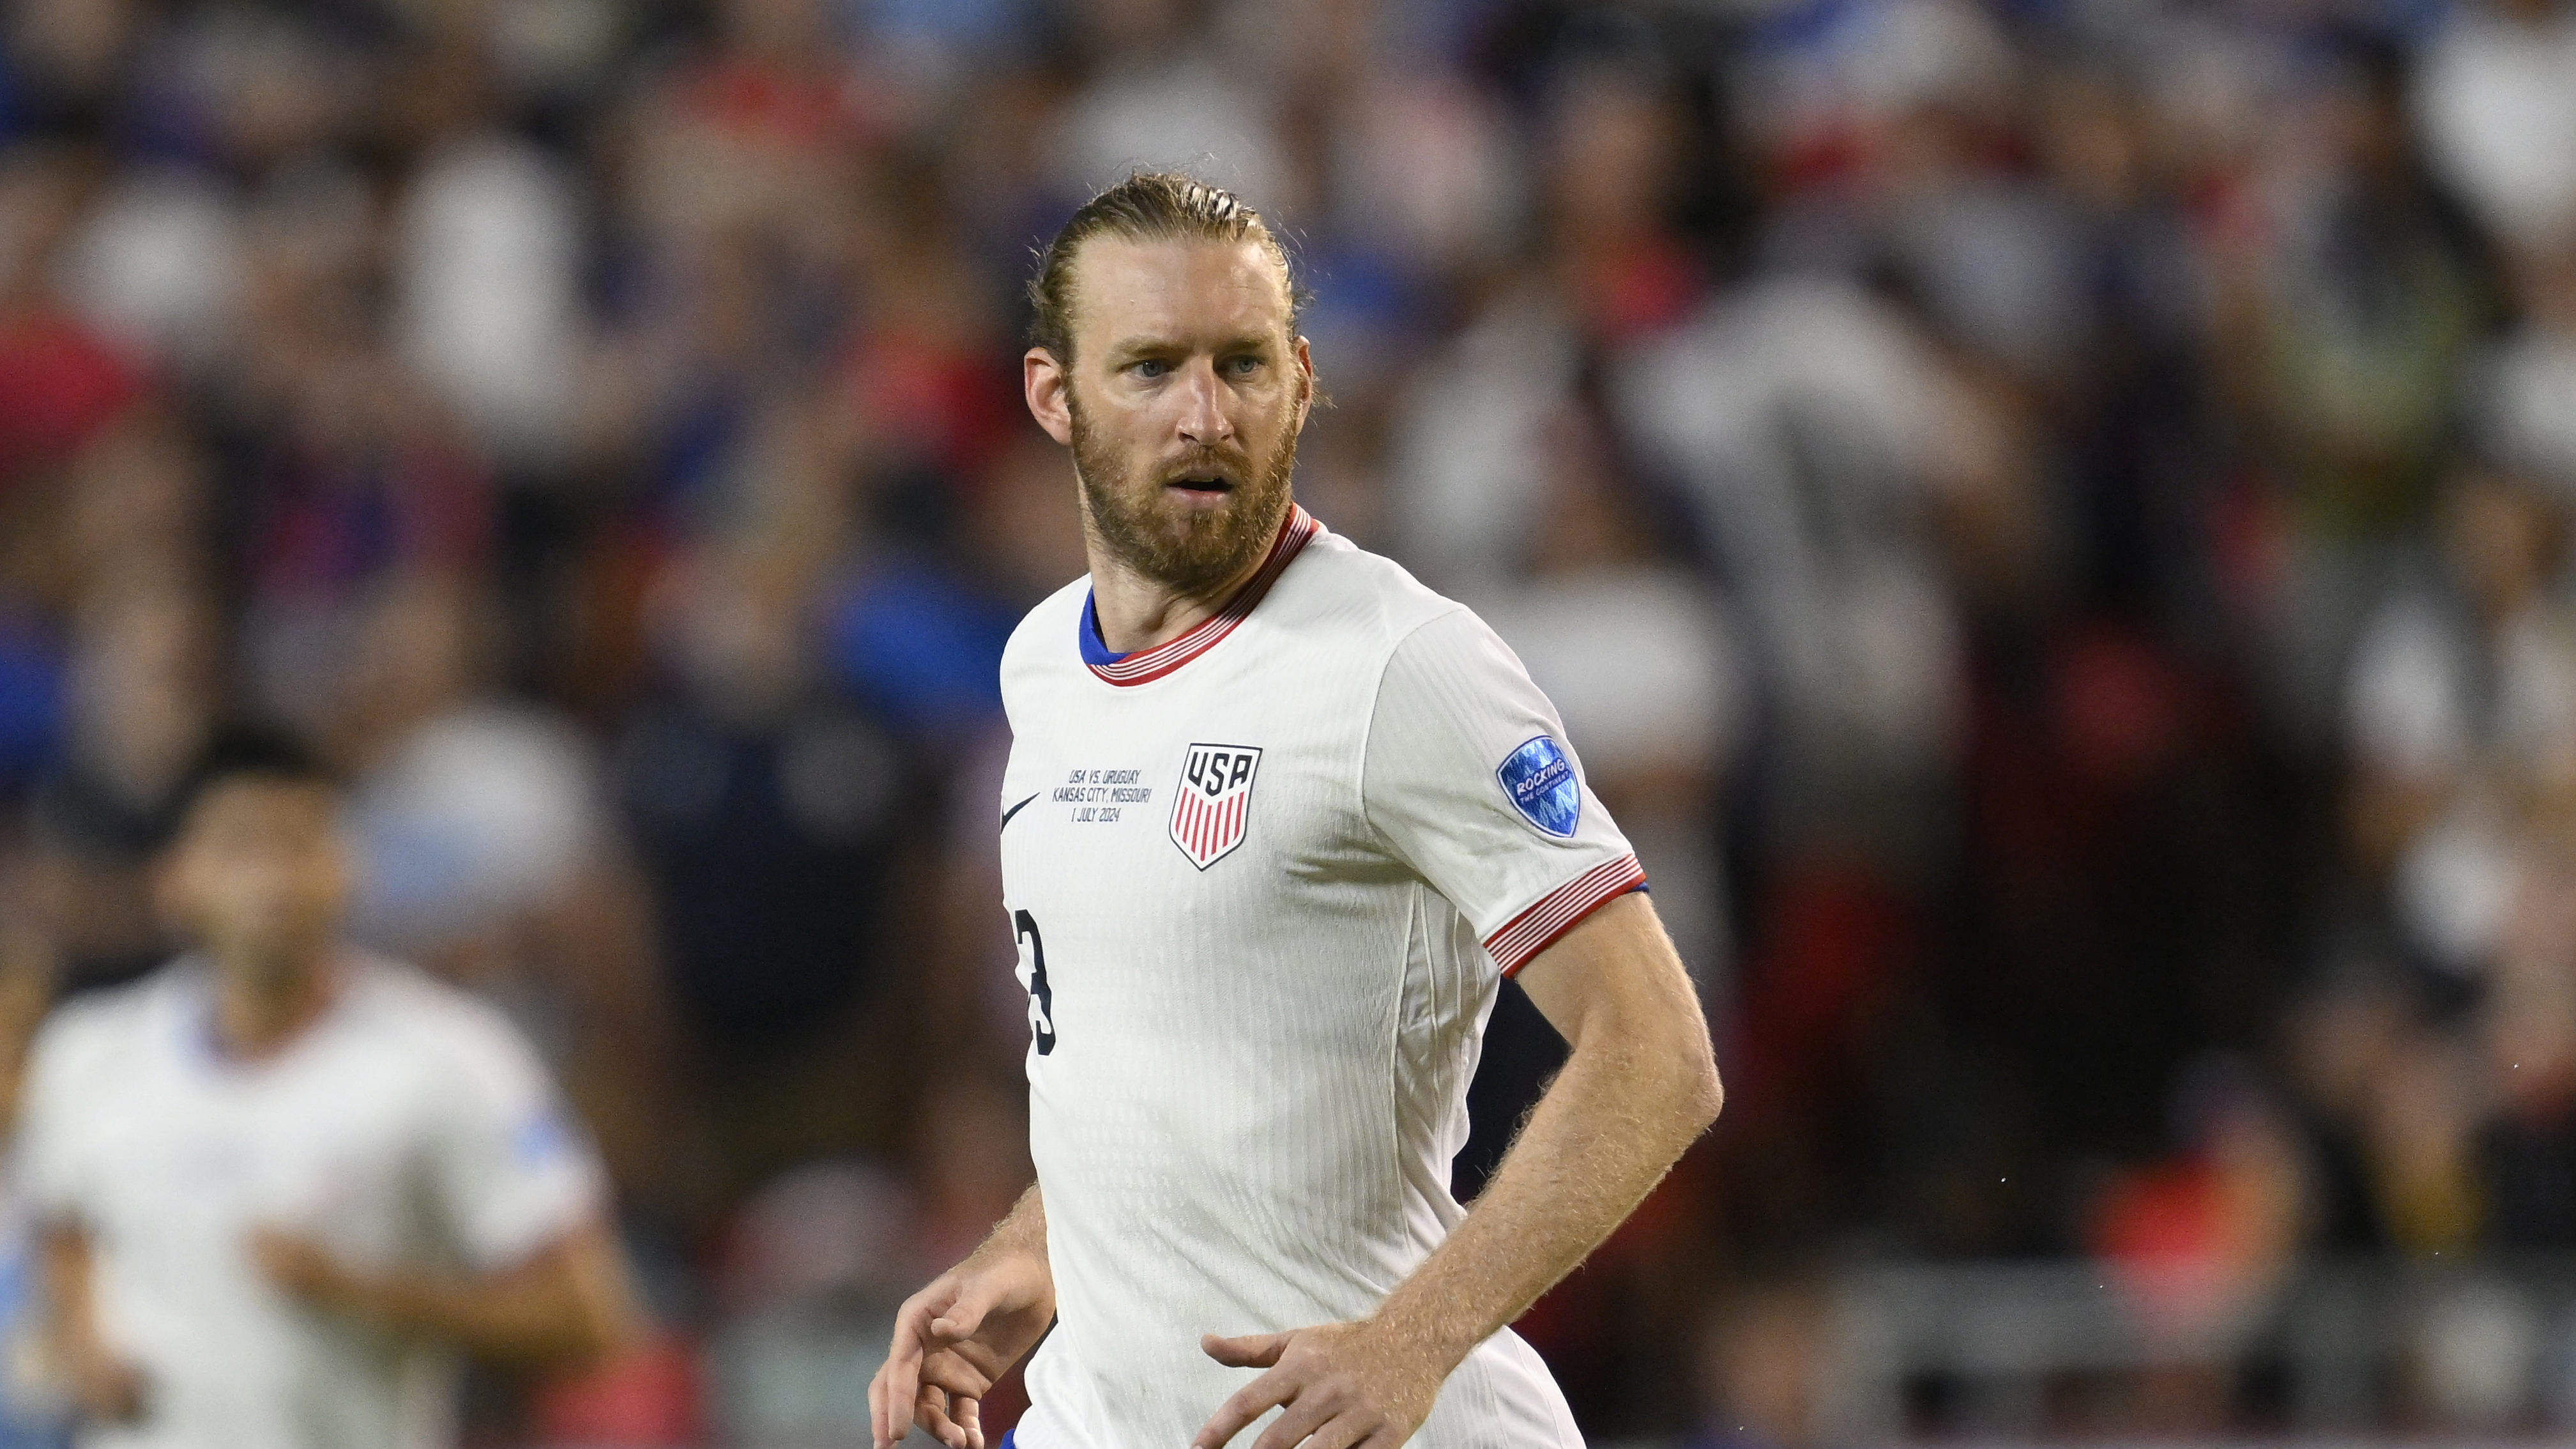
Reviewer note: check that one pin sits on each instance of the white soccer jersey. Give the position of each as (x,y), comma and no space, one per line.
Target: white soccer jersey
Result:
(408,1127)
(1266,879)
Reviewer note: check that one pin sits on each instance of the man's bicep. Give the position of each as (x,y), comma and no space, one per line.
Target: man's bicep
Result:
(1616,970)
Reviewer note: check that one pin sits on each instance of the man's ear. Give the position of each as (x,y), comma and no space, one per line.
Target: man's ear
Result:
(1307,391)
(1047,386)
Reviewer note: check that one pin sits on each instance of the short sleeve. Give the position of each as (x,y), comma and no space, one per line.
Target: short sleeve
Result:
(48,1163)
(511,1171)
(1470,781)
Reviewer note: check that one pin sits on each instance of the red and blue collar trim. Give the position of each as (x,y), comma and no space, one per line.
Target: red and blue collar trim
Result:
(1143,666)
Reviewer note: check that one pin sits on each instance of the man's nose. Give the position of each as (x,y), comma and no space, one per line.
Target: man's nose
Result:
(1204,419)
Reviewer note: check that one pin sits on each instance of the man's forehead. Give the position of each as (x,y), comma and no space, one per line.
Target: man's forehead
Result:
(1126,286)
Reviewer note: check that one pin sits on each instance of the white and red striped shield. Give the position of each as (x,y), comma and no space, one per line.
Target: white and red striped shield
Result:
(1214,798)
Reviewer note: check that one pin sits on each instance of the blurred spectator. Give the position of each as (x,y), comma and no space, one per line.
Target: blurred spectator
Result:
(2527,382)
(771,819)
(468,810)
(143,688)
(2498,102)
(1804,423)
(488,852)
(1165,92)
(2462,718)
(2350,310)
(159,264)
(60,379)
(487,273)
(357,478)
(1634,653)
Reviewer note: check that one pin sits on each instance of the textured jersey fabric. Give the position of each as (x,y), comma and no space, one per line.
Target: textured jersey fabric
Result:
(1266,879)
(409,1127)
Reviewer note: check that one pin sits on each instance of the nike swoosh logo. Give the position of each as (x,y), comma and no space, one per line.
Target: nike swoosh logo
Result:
(1014,810)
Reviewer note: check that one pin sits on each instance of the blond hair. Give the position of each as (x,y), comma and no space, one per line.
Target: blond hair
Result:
(1147,206)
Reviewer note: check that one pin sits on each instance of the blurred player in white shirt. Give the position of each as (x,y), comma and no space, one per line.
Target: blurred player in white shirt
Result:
(281,1183)
(1277,822)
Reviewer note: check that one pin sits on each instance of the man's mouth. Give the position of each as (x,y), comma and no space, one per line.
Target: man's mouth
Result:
(1203,483)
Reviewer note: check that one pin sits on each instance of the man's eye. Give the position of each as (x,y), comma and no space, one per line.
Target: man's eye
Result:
(1149,367)
(1243,366)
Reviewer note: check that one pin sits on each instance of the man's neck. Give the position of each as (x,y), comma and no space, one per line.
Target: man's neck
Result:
(260,1009)
(1136,612)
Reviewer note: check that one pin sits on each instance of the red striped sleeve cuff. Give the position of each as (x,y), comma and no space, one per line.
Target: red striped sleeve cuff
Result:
(1536,929)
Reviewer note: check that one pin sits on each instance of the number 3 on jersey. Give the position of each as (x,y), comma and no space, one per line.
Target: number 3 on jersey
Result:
(1032,974)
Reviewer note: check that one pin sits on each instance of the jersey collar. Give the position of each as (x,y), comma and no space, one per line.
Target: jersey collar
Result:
(1143,666)
(193,978)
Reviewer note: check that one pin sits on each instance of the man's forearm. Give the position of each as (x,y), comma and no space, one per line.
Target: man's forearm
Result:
(102,1385)
(65,1263)
(569,1306)
(1612,1124)
(1021,1230)
(506,1322)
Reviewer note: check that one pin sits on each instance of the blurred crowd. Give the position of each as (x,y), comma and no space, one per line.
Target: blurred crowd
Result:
(2047,521)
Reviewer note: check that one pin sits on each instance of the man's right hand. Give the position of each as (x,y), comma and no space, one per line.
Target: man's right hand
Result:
(953,1340)
(103,1386)
(106,1389)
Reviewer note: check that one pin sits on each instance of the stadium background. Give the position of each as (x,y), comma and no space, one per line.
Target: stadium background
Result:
(2046,520)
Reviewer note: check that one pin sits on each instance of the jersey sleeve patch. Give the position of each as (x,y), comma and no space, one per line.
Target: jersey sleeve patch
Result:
(1539,927)
(1540,782)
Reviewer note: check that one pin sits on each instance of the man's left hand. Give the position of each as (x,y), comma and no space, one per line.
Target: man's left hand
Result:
(1338,1386)
(308,1272)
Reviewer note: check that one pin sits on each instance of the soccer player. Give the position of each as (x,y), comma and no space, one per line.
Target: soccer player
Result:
(1277,822)
(279,1181)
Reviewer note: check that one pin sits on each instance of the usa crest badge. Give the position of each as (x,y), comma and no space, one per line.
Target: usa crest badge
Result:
(1540,782)
(1214,800)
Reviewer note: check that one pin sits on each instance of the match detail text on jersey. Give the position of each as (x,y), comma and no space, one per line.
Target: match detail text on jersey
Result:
(1101,797)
